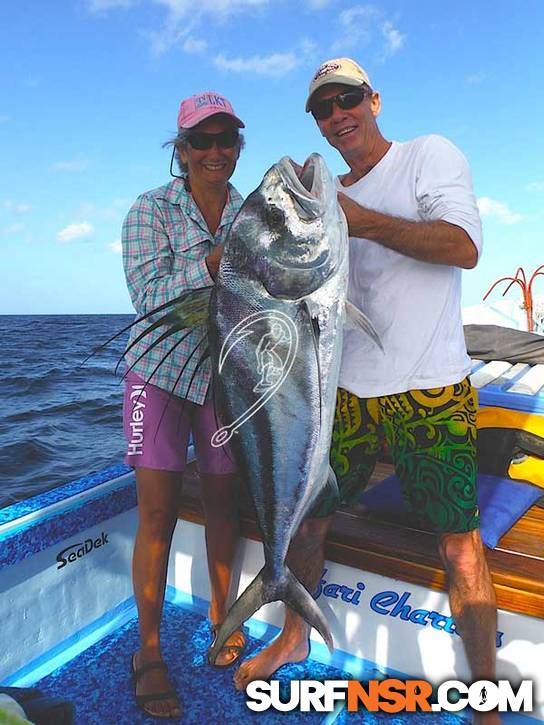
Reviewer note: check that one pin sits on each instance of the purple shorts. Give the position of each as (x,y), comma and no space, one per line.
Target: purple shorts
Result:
(164,446)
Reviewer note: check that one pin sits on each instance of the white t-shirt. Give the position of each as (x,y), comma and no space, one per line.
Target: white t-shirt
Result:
(414,306)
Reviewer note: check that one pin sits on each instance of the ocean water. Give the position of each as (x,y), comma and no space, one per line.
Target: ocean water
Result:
(59,420)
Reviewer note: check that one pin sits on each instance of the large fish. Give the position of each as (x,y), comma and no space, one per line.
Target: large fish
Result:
(274,326)
(275,336)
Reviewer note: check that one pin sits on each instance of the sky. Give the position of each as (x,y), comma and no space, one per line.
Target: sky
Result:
(89,91)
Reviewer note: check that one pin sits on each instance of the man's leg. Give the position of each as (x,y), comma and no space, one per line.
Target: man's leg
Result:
(305,559)
(473,604)
(432,437)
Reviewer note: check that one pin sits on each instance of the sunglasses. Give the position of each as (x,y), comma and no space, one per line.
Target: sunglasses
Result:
(203,141)
(321,110)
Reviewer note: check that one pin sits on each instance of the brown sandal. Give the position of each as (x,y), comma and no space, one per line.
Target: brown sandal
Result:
(143,700)
(237,648)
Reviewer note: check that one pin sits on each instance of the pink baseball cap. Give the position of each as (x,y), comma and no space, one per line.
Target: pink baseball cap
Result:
(196,108)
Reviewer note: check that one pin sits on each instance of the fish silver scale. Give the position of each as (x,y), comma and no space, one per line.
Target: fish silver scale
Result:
(286,255)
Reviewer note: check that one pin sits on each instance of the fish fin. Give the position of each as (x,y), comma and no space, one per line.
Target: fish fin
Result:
(160,339)
(298,598)
(243,608)
(191,309)
(358,320)
(203,357)
(262,591)
(316,333)
(331,484)
(185,310)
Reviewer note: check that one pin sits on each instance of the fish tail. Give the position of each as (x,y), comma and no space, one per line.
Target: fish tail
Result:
(262,591)
(243,608)
(297,597)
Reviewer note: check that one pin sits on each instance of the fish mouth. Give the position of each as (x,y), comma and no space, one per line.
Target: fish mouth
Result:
(307,189)
(312,265)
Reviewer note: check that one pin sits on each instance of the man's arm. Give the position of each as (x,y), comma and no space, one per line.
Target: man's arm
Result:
(437,242)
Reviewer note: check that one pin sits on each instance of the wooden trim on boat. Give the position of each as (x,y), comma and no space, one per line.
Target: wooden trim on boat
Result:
(387,548)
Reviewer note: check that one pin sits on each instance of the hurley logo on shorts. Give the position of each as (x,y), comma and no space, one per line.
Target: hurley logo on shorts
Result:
(82,548)
(137,398)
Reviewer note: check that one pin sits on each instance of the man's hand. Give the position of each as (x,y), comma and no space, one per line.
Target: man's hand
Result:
(213,259)
(354,212)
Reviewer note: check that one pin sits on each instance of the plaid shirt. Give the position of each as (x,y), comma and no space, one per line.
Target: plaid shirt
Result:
(165,243)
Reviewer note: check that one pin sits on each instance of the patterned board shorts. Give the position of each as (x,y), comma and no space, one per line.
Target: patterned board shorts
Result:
(431,436)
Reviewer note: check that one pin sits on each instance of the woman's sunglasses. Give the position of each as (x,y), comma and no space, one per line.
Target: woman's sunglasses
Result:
(321,110)
(203,141)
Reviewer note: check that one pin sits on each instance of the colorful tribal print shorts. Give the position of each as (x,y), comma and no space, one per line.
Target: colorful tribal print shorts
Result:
(431,436)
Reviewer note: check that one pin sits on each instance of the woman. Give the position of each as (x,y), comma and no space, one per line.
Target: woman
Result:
(172,242)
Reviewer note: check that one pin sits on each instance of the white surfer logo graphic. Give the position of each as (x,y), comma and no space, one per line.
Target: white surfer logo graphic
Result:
(272,367)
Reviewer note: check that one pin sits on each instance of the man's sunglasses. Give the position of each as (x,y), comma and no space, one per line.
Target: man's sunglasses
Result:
(203,141)
(323,109)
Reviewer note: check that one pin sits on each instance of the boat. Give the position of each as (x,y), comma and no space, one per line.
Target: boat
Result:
(68,617)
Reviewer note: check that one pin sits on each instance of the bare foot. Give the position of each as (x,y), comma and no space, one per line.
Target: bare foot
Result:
(155,681)
(268,660)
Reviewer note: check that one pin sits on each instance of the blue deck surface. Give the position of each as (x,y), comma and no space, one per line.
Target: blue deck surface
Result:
(98,682)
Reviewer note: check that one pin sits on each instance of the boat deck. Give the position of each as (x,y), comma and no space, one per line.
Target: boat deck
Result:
(98,681)
(385,547)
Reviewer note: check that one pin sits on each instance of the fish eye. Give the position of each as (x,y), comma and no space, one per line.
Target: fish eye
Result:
(275,217)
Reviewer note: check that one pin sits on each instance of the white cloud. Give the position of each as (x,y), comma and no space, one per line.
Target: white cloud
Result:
(16,228)
(102,6)
(394,40)
(220,8)
(16,207)
(275,65)
(363,25)
(476,78)
(498,210)
(74,166)
(317,4)
(535,186)
(357,25)
(185,16)
(75,231)
(115,211)
(308,50)
(116,246)
(194,45)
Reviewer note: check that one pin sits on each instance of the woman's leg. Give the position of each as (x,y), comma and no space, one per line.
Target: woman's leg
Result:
(157,428)
(219,483)
(158,493)
(220,502)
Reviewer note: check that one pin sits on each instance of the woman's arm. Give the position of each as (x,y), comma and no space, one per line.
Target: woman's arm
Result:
(148,260)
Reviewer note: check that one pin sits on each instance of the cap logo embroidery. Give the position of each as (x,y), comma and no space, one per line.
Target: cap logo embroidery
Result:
(325,69)
(207,99)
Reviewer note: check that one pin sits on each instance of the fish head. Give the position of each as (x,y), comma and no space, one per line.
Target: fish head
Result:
(292,228)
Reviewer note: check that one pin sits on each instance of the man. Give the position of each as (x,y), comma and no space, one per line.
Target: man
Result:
(413,224)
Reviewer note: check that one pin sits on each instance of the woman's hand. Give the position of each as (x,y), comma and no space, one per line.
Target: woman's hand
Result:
(213,259)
